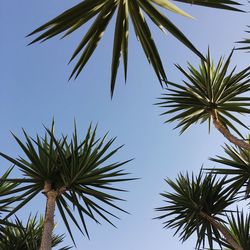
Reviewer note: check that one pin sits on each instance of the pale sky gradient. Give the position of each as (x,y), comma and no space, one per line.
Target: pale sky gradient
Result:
(34,88)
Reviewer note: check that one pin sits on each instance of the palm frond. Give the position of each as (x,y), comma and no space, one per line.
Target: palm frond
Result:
(236,165)
(102,12)
(82,169)
(26,237)
(218,4)
(239,228)
(190,199)
(208,90)
(245,43)
(6,187)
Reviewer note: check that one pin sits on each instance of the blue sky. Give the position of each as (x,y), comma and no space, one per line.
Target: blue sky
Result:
(34,88)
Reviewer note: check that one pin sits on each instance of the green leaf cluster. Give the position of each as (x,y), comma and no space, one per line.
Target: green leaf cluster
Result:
(239,228)
(26,237)
(236,166)
(210,89)
(102,11)
(80,171)
(191,197)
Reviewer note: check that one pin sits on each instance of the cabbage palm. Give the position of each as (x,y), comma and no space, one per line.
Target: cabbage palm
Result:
(210,93)
(26,237)
(15,235)
(236,165)
(239,228)
(70,173)
(102,12)
(197,204)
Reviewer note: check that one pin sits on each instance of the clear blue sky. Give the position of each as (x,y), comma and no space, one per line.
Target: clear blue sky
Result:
(34,88)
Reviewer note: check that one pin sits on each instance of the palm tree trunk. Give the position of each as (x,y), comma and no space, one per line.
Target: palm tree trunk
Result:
(221,128)
(49,217)
(223,231)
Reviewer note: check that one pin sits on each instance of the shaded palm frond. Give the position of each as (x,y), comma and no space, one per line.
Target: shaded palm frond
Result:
(26,237)
(218,4)
(82,169)
(208,93)
(236,165)
(6,187)
(239,228)
(191,199)
(245,43)
(102,11)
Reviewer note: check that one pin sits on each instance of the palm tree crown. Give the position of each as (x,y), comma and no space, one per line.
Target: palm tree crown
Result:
(237,162)
(196,202)
(103,11)
(209,93)
(239,228)
(78,172)
(26,237)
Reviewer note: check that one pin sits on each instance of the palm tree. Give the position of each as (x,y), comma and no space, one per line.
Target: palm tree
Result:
(68,173)
(210,93)
(239,228)
(103,11)
(197,205)
(237,161)
(15,235)
(26,237)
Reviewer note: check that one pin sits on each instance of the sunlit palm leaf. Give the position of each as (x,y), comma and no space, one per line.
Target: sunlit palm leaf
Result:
(191,197)
(209,89)
(103,11)
(26,237)
(84,169)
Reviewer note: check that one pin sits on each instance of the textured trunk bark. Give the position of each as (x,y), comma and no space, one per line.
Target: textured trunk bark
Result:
(49,217)
(236,141)
(223,231)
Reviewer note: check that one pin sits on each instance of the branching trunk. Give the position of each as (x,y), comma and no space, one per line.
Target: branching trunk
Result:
(236,141)
(48,226)
(230,240)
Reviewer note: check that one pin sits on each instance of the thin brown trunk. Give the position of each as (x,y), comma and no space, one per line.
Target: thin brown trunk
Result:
(223,231)
(48,226)
(236,141)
